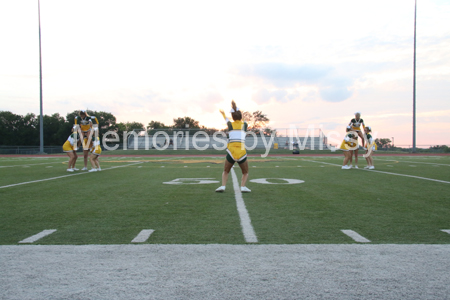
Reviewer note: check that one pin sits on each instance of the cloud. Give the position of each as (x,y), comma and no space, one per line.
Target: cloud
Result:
(208,100)
(284,78)
(264,96)
(284,75)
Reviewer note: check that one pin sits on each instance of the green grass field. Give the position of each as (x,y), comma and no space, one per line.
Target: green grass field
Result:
(130,194)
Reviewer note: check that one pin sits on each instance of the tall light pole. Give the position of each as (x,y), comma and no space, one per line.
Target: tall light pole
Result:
(41,118)
(414,81)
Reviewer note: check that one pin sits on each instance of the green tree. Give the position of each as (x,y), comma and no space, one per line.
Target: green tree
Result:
(128,127)
(8,127)
(255,120)
(182,122)
(382,143)
(156,125)
(53,134)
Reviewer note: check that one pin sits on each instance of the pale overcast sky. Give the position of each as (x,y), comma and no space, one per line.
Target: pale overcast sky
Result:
(300,62)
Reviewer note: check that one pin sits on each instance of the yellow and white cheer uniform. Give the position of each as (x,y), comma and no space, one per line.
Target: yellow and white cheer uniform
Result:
(96,148)
(71,143)
(86,122)
(348,143)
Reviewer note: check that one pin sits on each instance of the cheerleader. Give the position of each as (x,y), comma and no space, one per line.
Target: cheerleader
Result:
(70,147)
(347,144)
(356,126)
(370,149)
(85,121)
(95,150)
(235,148)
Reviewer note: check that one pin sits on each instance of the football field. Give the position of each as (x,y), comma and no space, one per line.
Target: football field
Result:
(171,200)
(153,228)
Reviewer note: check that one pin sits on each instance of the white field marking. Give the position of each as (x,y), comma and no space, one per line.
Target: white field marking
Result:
(55,162)
(390,173)
(38,236)
(389,166)
(277,166)
(355,236)
(185,166)
(49,167)
(52,178)
(139,166)
(179,181)
(287,181)
(207,166)
(246,223)
(414,162)
(162,166)
(446,230)
(143,236)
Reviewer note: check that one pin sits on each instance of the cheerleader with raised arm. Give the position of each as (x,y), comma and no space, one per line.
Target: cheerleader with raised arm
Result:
(355,124)
(235,148)
(85,121)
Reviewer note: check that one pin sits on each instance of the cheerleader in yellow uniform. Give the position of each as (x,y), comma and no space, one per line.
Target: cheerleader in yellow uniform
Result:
(356,123)
(85,121)
(347,146)
(70,147)
(372,146)
(96,150)
(235,148)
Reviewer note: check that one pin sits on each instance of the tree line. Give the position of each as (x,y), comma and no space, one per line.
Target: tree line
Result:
(19,130)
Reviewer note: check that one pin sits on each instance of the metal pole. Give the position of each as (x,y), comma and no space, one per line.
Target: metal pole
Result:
(414,81)
(41,118)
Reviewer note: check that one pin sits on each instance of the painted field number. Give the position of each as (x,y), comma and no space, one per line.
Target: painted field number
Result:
(179,181)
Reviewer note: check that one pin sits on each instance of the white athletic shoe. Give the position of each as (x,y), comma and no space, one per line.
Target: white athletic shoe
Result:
(93,170)
(366,167)
(84,169)
(99,169)
(70,170)
(245,189)
(371,167)
(356,167)
(346,167)
(220,189)
(75,169)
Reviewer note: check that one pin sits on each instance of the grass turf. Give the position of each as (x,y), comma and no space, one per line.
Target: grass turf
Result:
(113,206)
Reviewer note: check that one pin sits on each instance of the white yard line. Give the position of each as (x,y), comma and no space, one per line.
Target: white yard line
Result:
(355,236)
(446,230)
(55,162)
(383,172)
(38,236)
(52,178)
(414,162)
(246,223)
(143,236)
